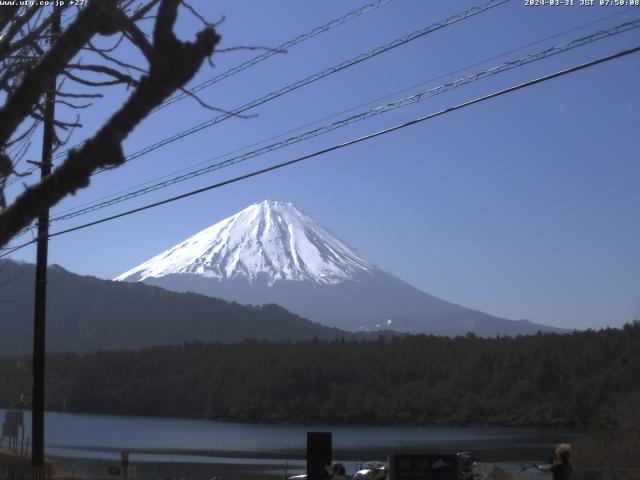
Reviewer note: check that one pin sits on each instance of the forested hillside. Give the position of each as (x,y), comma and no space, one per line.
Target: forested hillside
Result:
(545,379)
(86,314)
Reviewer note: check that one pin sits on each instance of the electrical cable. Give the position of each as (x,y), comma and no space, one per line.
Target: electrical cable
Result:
(369,7)
(312,78)
(599,35)
(342,145)
(280,48)
(385,97)
(59,154)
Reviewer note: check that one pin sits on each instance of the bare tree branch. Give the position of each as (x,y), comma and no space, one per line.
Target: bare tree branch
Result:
(172,64)
(78,95)
(92,19)
(121,77)
(7,15)
(203,104)
(139,14)
(23,135)
(14,29)
(74,106)
(196,14)
(103,53)
(138,38)
(95,83)
(30,38)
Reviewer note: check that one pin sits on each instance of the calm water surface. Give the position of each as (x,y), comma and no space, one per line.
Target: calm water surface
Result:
(101,437)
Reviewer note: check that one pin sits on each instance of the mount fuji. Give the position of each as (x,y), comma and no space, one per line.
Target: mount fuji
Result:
(272,252)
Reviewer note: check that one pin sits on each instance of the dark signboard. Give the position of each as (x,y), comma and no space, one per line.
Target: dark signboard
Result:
(424,467)
(318,455)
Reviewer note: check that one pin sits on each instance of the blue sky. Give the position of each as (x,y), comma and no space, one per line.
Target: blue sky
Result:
(524,206)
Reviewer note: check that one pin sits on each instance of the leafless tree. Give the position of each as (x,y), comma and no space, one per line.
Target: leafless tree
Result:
(84,66)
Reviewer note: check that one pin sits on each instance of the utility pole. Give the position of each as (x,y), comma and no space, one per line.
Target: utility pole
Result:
(39,322)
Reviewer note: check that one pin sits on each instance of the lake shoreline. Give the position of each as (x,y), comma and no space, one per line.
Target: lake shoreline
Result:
(314,421)
(88,444)
(86,469)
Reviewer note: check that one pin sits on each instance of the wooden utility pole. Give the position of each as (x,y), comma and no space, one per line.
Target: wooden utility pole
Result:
(39,323)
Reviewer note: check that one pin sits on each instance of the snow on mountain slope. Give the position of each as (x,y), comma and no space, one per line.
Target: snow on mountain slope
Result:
(270,238)
(274,253)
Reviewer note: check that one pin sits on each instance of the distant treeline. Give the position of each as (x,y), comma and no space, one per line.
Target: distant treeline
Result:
(544,379)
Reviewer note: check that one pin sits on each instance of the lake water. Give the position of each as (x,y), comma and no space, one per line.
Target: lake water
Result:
(90,442)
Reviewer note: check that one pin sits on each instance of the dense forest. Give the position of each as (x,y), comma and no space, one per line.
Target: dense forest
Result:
(613,441)
(544,379)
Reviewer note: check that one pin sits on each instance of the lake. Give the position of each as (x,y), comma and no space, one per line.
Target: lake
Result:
(184,448)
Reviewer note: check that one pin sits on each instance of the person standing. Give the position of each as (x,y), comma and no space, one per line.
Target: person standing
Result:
(561,468)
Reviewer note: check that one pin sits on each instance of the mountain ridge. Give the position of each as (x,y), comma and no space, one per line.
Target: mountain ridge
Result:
(87,314)
(272,238)
(274,252)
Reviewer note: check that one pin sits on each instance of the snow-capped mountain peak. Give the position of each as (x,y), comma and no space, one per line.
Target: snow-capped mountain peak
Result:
(271,238)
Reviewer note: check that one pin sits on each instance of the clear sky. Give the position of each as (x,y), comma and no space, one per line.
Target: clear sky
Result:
(525,206)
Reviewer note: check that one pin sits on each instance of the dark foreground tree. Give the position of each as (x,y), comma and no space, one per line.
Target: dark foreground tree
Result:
(28,65)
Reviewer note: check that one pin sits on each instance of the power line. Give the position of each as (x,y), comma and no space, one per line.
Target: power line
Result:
(607,17)
(339,146)
(506,66)
(369,7)
(280,48)
(384,97)
(360,139)
(314,78)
